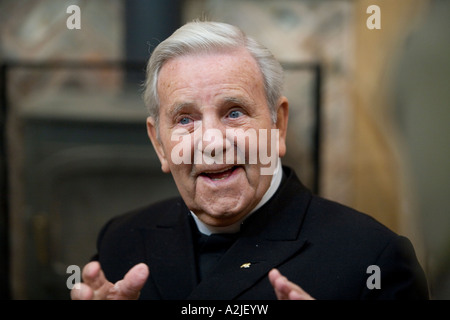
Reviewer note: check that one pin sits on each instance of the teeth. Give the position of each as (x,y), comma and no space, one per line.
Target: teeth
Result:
(224,177)
(217,171)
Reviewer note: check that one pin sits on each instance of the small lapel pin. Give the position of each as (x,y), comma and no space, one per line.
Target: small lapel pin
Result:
(246,265)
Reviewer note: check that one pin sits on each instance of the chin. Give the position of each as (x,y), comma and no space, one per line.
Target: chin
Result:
(223,215)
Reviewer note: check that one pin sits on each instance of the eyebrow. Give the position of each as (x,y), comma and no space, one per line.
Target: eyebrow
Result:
(234,100)
(177,107)
(241,101)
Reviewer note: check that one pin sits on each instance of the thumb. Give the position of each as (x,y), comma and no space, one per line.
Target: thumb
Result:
(130,286)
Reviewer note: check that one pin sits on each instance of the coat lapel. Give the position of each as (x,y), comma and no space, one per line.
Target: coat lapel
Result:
(170,253)
(269,238)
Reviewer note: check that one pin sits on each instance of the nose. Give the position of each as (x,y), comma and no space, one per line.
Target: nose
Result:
(211,143)
(211,123)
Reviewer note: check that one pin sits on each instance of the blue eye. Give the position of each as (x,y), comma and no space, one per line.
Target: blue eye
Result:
(235,114)
(185,120)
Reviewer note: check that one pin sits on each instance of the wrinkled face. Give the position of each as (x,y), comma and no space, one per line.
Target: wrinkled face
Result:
(215,128)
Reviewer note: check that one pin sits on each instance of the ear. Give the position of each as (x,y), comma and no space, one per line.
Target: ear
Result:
(282,123)
(157,145)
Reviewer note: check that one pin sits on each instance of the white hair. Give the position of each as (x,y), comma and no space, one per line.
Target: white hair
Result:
(211,37)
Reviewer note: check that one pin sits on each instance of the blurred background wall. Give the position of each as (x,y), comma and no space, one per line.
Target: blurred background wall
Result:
(74,147)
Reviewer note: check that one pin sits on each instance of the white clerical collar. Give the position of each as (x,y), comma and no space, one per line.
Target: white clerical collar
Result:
(235,227)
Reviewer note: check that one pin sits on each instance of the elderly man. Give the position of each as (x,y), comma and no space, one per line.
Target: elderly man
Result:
(243,228)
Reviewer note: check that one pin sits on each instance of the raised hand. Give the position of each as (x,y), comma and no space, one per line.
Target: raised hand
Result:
(285,289)
(95,286)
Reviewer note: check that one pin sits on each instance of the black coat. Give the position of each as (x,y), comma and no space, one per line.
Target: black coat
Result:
(324,247)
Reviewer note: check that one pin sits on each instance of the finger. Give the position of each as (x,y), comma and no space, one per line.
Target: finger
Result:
(294,295)
(285,289)
(131,285)
(281,288)
(93,275)
(273,275)
(81,291)
(296,292)
(95,280)
(279,284)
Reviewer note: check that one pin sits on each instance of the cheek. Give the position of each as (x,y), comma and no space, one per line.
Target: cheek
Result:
(181,175)
(268,143)
(179,158)
(180,150)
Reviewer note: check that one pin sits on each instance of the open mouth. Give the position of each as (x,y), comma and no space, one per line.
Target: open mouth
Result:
(219,175)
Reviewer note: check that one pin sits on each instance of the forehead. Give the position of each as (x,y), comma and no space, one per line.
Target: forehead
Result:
(206,74)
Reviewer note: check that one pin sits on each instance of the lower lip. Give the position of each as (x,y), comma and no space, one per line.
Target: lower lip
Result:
(224,179)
